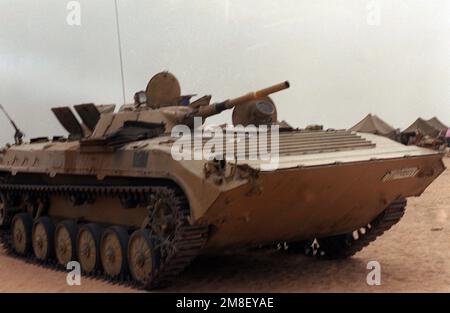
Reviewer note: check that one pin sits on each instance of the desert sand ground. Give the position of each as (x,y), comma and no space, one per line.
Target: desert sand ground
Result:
(414,256)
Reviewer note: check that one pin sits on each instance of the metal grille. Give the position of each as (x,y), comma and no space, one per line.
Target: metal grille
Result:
(290,143)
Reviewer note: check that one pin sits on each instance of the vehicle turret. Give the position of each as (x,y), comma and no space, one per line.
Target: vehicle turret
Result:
(154,108)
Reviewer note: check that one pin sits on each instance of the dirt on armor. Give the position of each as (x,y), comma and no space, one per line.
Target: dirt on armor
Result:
(414,256)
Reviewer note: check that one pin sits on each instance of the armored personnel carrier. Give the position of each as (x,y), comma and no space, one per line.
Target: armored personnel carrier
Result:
(112,196)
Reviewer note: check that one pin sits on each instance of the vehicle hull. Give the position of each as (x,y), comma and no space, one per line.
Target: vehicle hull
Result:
(312,202)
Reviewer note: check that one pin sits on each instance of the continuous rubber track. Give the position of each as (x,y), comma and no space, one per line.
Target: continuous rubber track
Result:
(185,245)
(346,245)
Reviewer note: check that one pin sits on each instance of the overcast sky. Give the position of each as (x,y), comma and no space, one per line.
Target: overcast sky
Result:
(344,59)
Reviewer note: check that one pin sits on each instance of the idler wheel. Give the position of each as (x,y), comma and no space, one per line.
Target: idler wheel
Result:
(65,242)
(42,238)
(88,247)
(143,257)
(21,227)
(113,251)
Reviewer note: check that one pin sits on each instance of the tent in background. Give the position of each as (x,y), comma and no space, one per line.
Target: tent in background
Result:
(436,123)
(422,127)
(374,125)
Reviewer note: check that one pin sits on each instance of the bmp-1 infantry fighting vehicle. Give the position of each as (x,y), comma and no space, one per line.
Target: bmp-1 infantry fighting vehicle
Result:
(112,196)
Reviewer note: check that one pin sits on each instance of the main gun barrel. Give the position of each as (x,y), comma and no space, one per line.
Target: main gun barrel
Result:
(257,94)
(216,108)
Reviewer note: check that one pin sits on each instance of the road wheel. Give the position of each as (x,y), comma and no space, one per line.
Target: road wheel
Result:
(65,242)
(88,247)
(43,238)
(113,251)
(143,258)
(21,227)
